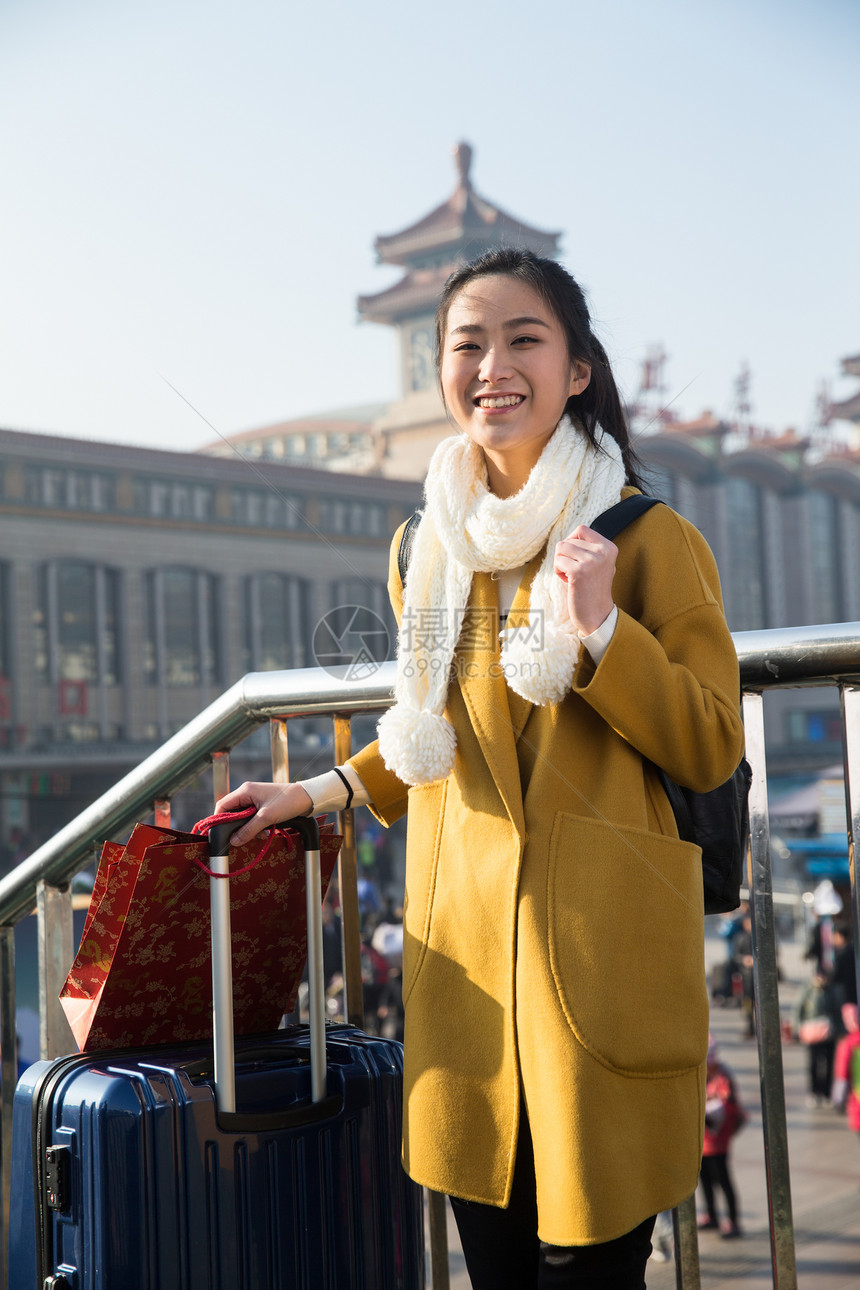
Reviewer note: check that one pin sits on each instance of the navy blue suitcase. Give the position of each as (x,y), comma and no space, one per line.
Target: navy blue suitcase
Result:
(137,1170)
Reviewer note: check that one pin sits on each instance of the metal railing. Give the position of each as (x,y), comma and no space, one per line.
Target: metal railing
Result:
(783,658)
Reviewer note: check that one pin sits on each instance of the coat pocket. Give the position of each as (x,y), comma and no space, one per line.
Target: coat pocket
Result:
(626,929)
(426,813)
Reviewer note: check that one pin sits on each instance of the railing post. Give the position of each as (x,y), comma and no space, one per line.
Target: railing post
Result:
(850,700)
(767,1007)
(55,936)
(280,751)
(687,1273)
(440,1274)
(220,775)
(9,1064)
(353,1002)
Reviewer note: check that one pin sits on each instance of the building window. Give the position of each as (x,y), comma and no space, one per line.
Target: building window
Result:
(746,554)
(87,491)
(77,634)
(357,517)
(334,515)
(376,520)
(182,643)
(76,623)
(276,512)
(159,498)
(253,507)
(71,490)
(203,503)
(40,629)
(180,502)
(824,557)
(277,617)
(237,505)
(102,493)
(420,356)
(360,519)
(139,492)
(53,490)
(294,512)
(256,503)
(84,732)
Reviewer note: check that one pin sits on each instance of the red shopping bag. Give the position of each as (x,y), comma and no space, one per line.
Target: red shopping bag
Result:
(142,974)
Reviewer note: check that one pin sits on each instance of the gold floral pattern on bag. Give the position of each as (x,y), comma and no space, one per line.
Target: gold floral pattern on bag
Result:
(142,974)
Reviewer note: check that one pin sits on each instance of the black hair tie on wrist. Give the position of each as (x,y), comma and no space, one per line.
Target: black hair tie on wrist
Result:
(349,790)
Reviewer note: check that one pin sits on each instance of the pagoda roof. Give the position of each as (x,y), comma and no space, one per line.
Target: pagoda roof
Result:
(703,426)
(787,440)
(851,365)
(848,409)
(464,220)
(416,292)
(462,227)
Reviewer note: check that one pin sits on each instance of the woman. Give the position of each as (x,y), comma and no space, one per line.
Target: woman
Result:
(556,1011)
(817,1022)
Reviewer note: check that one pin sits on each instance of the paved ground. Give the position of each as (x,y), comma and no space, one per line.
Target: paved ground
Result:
(825,1175)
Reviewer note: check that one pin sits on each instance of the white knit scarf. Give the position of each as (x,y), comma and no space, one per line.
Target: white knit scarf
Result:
(466,529)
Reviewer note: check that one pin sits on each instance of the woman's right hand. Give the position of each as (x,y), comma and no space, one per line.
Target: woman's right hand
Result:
(274,803)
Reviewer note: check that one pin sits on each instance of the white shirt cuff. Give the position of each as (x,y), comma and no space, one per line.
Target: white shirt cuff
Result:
(597,642)
(328,791)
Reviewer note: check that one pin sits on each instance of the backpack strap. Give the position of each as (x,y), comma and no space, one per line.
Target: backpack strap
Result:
(611,522)
(609,525)
(407,541)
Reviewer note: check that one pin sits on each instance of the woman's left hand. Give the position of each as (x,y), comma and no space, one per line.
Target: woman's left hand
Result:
(586,562)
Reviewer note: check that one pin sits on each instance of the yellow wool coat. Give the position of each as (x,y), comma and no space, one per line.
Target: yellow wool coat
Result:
(553,923)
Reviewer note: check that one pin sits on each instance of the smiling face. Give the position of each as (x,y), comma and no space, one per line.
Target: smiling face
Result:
(506,374)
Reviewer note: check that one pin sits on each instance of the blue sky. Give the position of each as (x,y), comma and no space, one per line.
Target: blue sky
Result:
(191,191)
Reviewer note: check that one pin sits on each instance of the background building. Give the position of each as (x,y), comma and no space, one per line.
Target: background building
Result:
(137,585)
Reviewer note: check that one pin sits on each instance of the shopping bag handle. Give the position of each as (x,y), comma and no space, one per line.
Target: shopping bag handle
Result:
(222,826)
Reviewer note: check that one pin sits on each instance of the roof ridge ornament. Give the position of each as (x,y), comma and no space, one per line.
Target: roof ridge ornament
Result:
(463,160)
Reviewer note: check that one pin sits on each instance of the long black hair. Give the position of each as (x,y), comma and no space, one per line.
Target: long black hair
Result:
(599,403)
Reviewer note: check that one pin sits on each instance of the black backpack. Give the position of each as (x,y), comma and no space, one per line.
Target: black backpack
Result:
(717,821)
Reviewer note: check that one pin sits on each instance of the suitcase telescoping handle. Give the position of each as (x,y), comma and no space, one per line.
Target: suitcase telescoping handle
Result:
(222,961)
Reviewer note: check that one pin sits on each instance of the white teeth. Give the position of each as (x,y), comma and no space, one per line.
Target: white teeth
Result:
(507,401)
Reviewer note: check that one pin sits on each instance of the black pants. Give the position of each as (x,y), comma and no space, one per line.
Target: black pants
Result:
(503,1252)
(821,1068)
(715,1173)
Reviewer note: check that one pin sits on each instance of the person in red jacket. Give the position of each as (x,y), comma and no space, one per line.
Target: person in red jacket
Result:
(846,1068)
(724,1115)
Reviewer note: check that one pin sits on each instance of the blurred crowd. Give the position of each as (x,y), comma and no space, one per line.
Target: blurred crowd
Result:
(824,1021)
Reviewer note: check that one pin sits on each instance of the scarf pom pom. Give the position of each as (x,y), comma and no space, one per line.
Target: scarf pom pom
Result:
(418,746)
(542,674)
